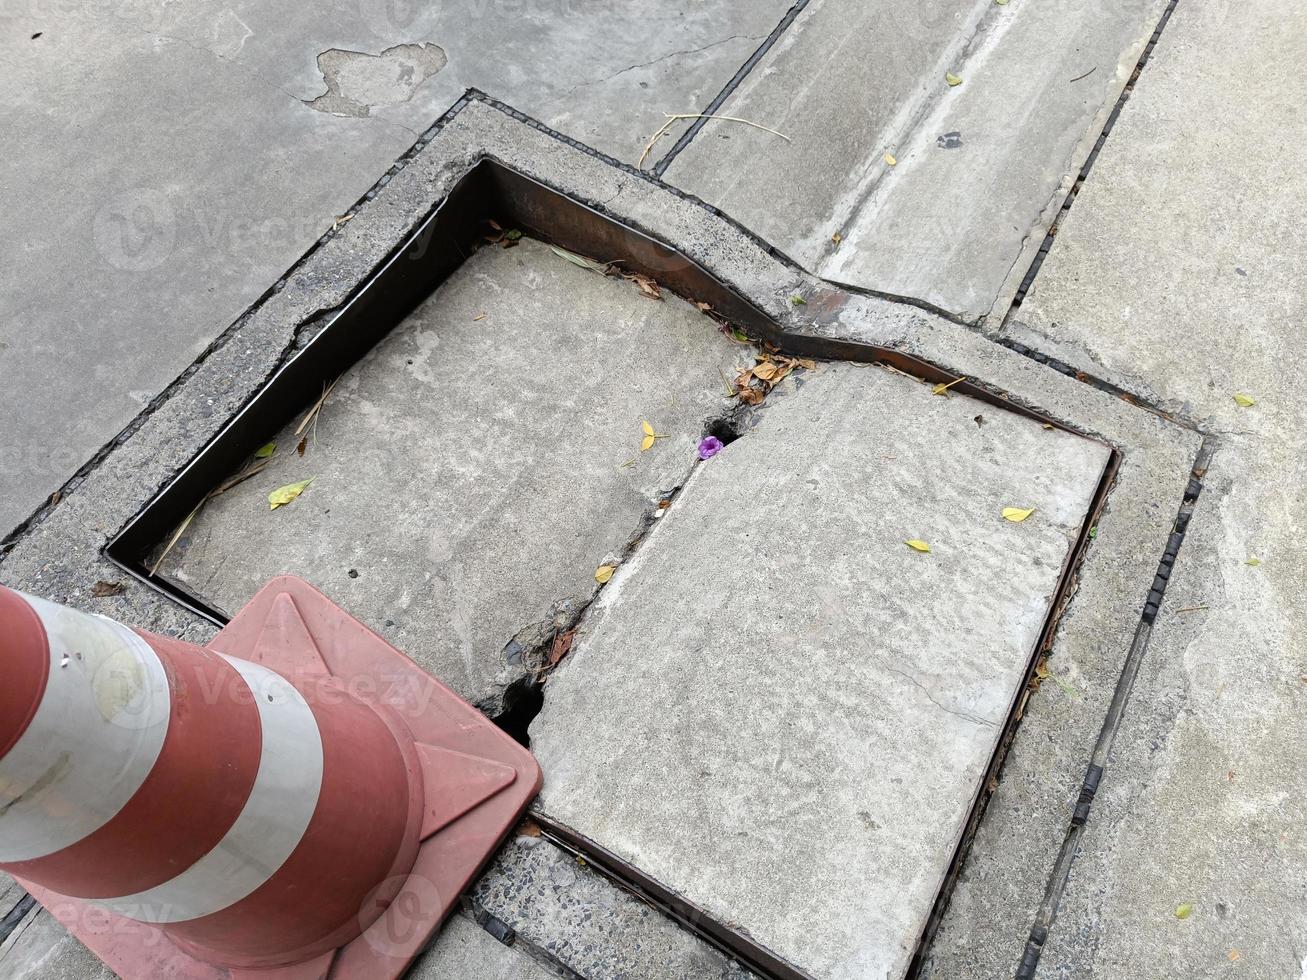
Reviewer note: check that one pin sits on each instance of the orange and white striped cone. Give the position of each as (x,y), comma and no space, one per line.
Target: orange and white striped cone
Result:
(296,799)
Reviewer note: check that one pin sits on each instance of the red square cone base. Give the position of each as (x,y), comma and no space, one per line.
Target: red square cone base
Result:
(447,861)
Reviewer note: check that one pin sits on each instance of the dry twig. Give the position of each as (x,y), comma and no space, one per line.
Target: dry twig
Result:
(674,118)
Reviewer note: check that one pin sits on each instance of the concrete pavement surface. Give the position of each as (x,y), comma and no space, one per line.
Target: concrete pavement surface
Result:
(779,740)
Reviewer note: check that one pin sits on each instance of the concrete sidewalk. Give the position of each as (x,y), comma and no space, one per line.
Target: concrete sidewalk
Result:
(813,704)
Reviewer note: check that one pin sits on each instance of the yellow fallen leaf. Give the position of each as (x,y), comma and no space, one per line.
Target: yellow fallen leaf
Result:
(1016,514)
(648,429)
(891,159)
(1184,911)
(647,443)
(1253,561)
(916,545)
(284,495)
(263,452)
(953,80)
(1245,401)
(940,389)
(604,572)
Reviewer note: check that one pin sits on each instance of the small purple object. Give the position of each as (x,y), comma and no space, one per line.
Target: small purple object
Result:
(709,447)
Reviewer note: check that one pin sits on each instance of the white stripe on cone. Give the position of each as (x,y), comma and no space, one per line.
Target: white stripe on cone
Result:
(94,738)
(278,811)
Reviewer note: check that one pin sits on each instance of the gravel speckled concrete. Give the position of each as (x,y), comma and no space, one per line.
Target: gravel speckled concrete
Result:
(559,904)
(777,690)
(465,951)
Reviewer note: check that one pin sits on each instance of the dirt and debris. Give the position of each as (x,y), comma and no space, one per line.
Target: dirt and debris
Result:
(753,384)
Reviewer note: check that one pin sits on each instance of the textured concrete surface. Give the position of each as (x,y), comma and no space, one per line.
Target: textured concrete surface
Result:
(981,168)
(465,951)
(168,162)
(558,904)
(1188,227)
(734,735)
(39,949)
(471,474)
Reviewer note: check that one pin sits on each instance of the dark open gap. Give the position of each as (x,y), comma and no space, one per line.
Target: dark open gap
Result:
(439,243)
(15,915)
(522,702)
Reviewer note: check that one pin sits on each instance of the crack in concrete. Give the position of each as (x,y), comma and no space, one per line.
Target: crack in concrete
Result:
(975,719)
(663,57)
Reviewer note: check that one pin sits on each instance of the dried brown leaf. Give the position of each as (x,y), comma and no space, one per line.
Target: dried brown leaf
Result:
(648,287)
(102,589)
(560,647)
(528,828)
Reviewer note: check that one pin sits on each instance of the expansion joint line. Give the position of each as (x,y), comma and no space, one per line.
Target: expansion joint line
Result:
(1061,872)
(15,916)
(712,108)
(1124,97)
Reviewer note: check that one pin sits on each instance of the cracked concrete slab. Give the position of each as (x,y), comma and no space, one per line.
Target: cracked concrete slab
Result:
(195,172)
(980,169)
(557,903)
(795,746)
(465,951)
(472,472)
(1189,225)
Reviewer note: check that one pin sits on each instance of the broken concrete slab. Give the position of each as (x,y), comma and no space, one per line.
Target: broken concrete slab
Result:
(557,903)
(465,951)
(819,721)
(1198,803)
(980,169)
(472,472)
(207,168)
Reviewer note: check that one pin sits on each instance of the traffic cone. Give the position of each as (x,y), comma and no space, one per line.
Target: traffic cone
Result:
(297,799)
